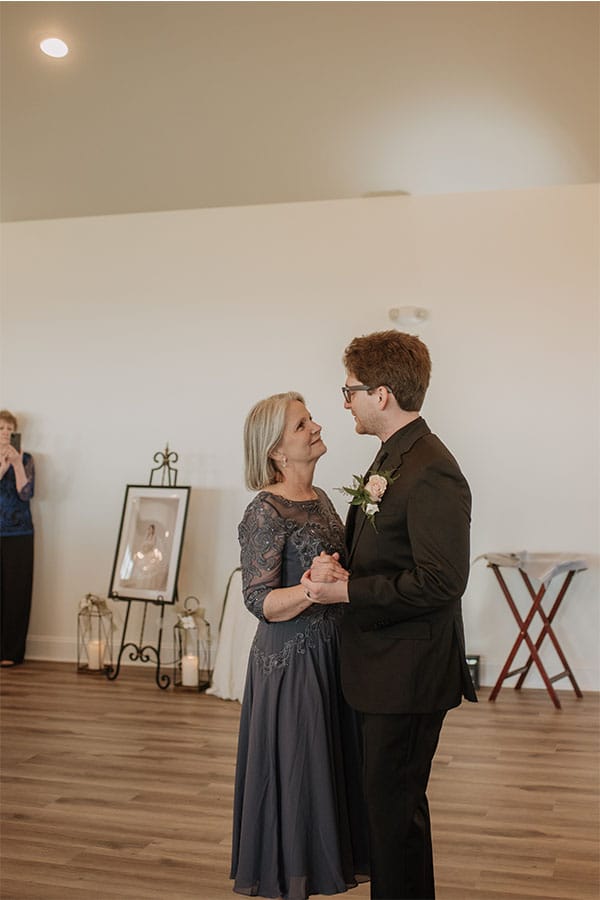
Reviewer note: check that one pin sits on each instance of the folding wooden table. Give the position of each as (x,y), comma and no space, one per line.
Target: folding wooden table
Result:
(543,568)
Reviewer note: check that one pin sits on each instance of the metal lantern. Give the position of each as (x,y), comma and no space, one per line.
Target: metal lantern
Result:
(94,635)
(191,643)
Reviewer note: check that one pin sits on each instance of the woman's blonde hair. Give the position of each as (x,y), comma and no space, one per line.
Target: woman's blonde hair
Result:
(263,430)
(7,416)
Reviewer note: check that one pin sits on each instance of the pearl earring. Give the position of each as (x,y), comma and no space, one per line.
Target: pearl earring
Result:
(283,461)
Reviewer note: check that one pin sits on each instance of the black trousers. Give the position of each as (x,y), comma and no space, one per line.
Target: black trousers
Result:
(399,750)
(16,582)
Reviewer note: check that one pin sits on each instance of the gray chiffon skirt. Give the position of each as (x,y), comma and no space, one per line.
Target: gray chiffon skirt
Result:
(300,824)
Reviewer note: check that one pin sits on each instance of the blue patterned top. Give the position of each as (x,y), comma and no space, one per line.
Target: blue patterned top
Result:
(15,514)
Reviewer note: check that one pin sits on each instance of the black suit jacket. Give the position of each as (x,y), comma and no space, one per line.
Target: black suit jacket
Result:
(403,648)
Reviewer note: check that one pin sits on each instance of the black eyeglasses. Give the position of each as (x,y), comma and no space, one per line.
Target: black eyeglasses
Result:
(348,390)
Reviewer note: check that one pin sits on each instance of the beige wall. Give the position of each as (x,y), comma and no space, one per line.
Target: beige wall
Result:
(122,333)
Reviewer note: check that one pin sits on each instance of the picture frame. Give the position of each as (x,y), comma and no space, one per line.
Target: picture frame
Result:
(149,546)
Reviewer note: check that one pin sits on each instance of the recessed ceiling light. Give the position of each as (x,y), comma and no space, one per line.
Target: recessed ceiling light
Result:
(54,47)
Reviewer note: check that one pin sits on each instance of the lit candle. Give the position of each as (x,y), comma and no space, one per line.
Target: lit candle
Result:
(95,652)
(189,671)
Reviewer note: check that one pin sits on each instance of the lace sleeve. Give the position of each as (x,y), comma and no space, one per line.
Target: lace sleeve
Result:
(262,539)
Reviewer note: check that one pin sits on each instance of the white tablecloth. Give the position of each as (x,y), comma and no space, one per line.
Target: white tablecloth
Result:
(541,566)
(237,632)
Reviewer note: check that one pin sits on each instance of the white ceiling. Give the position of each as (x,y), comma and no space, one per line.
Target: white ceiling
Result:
(181,105)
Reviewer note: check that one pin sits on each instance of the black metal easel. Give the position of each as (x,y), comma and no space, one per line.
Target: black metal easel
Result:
(140,651)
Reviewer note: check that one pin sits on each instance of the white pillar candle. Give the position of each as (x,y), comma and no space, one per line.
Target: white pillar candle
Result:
(189,671)
(95,652)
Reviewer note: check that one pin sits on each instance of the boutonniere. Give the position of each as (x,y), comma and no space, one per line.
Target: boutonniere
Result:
(368,494)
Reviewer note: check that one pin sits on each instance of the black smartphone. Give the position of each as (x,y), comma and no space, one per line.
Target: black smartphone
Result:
(15,440)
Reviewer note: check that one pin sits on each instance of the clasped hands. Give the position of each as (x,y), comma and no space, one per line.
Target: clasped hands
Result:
(8,457)
(327,580)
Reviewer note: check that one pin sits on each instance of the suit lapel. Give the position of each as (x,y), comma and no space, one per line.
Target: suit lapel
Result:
(392,452)
(355,520)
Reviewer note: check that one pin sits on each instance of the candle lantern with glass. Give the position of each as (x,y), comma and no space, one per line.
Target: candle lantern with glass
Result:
(94,635)
(191,643)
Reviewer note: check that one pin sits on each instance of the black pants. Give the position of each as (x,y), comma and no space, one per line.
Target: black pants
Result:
(399,750)
(16,582)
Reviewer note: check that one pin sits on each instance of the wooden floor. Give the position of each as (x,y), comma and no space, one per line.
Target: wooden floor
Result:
(121,790)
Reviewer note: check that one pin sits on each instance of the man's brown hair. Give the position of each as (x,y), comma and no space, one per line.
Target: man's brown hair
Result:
(397,360)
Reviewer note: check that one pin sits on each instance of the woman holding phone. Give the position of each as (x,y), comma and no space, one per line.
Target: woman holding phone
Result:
(16,542)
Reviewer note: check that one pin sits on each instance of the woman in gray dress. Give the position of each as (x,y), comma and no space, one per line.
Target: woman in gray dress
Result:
(299,816)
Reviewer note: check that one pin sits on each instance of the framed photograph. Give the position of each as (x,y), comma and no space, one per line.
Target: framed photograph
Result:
(149,547)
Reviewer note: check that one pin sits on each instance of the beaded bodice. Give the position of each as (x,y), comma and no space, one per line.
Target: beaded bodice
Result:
(279,539)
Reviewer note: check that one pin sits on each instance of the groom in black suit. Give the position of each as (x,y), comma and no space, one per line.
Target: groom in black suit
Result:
(403,651)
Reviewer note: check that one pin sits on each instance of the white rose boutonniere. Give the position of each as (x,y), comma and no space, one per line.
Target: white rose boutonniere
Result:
(368,494)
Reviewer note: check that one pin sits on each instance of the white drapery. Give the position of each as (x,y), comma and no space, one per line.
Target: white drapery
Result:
(238,627)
